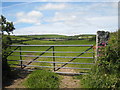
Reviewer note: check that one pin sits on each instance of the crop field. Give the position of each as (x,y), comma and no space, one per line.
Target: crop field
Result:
(33,40)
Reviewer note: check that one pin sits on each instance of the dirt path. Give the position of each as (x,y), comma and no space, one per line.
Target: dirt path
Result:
(68,81)
(16,84)
(18,81)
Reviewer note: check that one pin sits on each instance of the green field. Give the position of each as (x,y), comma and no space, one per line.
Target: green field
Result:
(34,40)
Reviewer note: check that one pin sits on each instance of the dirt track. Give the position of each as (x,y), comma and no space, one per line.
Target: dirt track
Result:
(67,81)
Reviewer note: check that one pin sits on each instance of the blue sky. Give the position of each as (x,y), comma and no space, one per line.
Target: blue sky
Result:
(60,0)
(66,18)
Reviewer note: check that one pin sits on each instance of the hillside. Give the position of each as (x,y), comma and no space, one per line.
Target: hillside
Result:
(22,39)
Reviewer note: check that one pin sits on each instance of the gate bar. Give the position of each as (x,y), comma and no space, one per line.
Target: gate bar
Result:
(69,73)
(66,73)
(37,56)
(51,67)
(13,51)
(51,62)
(74,58)
(51,56)
(55,45)
(52,51)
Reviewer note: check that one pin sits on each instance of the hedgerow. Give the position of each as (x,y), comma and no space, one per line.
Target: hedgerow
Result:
(106,72)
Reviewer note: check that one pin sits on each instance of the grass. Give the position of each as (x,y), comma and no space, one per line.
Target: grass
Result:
(44,36)
(42,79)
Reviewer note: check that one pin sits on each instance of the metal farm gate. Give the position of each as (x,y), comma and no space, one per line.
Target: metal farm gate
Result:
(54,64)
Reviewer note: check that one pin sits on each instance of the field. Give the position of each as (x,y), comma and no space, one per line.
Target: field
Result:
(53,40)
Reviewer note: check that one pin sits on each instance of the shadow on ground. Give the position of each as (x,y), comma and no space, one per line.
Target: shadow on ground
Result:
(17,74)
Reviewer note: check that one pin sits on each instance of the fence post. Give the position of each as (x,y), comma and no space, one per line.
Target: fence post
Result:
(102,38)
(20,57)
(53,58)
(96,51)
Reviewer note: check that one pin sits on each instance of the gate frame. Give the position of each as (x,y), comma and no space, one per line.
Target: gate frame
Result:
(47,50)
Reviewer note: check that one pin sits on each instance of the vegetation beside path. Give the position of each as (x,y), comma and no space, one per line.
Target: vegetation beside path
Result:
(106,73)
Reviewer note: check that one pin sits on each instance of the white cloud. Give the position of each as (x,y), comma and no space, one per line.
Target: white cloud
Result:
(62,17)
(33,17)
(70,19)
(51,6)
(82,26)
(98,9)
(99,15)
(76,20)
(115,5)
(56,28)
(104,22)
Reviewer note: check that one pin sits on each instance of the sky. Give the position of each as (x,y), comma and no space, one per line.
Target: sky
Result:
(65,18)
(60,0)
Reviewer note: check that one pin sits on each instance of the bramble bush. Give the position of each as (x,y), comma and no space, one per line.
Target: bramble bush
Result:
(106,72)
